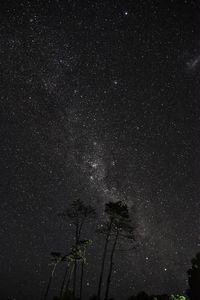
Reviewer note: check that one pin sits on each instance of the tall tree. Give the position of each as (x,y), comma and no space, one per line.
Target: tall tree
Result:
(117,213)
(83,244)
(105,229)
(78,213)
(55,260)
(69,259)
(194,279)
(76,254)
(122,228)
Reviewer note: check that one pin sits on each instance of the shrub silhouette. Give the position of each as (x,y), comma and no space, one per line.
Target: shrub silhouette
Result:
(194,279)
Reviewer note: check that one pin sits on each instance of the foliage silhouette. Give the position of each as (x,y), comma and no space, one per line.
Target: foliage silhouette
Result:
(145,296)
(177,297)
(194,279)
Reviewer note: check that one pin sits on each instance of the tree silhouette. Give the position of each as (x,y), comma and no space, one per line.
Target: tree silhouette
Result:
(121,229)
(194,279)
(105,229)
(55,260)
(78,213)
(83,244)
(76,254)
(69,259)
(118,222)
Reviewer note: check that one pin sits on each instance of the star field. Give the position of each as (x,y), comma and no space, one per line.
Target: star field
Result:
(99,100)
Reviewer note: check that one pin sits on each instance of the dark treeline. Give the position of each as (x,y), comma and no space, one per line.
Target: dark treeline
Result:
(117,227)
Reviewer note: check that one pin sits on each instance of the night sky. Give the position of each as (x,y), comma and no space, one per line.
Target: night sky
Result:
(99,100)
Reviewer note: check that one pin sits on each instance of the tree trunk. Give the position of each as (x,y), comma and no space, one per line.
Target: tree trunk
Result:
(49,282)
(69,279)
(63,282)
(74,279)
(103,262)
(111,267)
(81,280)
(75,262)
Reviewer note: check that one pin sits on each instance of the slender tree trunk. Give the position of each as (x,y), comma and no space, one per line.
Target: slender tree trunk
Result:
(48,287)
(75,262)
(103,262)
(49,282)
(81,280)
(63,282)
(74,279)
(69,279)
(111,267)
